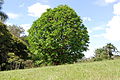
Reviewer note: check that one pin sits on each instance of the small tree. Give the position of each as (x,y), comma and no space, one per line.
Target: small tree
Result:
(58,37)
(106,52)
(101,54)
(110,48)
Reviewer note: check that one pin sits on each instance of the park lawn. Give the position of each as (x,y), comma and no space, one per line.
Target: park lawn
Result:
(101,70)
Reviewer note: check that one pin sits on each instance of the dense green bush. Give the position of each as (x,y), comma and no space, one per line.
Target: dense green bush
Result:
(58,37)
(19,47)
(5,43)
(13,51)
(13,62)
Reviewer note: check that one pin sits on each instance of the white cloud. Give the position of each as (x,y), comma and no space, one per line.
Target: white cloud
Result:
(105,2)
(98,28)
(113,32)
(100,2)
(98,35)
(116,8)
(110,1)
(87,19)
(26,27)
(37,9)
(13,15)
(95,29)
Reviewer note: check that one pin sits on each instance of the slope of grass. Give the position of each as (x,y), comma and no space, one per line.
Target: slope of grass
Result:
(104,70)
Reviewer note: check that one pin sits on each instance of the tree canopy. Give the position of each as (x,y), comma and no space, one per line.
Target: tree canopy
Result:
(16,30)
(106,51)
(10,44)
(58,37)
(5,42)
(3,16)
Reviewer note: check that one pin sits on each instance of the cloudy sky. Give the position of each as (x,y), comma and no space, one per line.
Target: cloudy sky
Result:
(101,17)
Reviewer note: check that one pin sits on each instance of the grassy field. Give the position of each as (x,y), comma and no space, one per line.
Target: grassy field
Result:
(103,70)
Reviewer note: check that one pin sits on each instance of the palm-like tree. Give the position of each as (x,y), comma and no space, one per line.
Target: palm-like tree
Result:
(3,16)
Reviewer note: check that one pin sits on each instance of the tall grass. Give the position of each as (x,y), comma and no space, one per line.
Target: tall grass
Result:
(102,70)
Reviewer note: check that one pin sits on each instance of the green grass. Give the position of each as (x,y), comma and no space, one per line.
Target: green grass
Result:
(103,70)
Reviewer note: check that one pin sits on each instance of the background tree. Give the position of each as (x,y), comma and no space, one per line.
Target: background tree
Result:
(5,43)
(100,54)
(106,52)
(3,16)
(16,30)
(11,44)
(58,37)
(110,48)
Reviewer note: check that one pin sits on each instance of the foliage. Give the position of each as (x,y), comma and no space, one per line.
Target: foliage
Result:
(19,47)
(58,37)
(106,52)
(16,30)
(101,54)
(3,16)
(25,39)
(110,48)
(13,62)
(10,44)
(5,42)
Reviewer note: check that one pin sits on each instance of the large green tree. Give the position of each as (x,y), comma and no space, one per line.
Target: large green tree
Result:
(58,37)
(3,16)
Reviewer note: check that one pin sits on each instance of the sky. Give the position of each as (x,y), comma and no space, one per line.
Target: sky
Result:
(101,17)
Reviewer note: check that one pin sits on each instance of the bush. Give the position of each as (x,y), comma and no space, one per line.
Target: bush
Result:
(13,51)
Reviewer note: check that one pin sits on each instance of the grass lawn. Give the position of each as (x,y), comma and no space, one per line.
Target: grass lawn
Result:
(103,70)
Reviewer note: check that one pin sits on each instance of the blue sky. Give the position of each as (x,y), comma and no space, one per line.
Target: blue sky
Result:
(101,17)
